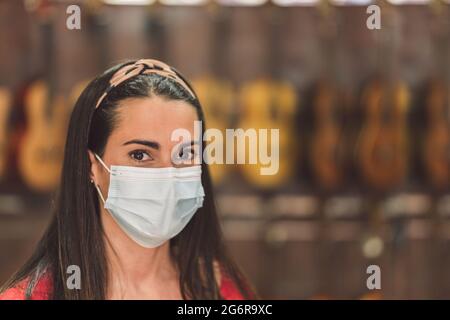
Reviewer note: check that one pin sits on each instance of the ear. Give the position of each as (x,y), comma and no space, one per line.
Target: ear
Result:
(94,166)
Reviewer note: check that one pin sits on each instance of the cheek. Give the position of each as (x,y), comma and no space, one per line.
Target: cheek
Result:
(105,183)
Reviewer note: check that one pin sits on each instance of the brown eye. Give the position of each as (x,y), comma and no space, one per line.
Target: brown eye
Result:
(139,155)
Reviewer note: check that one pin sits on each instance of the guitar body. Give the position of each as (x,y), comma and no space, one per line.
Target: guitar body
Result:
(269,104)
(436,150)
(327,150)
(382,146)
(218,99)
(5,108)
(42,151)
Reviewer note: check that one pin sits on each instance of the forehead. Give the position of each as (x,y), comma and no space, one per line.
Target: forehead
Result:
(153,118)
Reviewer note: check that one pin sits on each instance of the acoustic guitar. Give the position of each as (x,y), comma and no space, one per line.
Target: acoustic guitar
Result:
(382,147)
(271,102)
(42,153)
(42,146)
(327,149)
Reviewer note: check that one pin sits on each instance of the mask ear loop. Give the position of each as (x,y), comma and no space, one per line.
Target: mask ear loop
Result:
(101,161)
(100,193)
(96,186)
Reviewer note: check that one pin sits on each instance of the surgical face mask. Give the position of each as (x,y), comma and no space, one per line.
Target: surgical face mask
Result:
(153,205)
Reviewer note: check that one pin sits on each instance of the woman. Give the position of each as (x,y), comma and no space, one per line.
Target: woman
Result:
(135,220)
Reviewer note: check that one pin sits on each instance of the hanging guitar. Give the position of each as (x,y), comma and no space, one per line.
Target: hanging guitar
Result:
(270,102)
(382,147)
(327,150)
(42,146)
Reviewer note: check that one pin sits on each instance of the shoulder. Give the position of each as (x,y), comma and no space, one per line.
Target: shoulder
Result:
(14,293)
(41,291)
(228,289)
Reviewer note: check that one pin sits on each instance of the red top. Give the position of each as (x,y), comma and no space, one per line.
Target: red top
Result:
(43,288)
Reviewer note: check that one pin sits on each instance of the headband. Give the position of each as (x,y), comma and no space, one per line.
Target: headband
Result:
(144,66)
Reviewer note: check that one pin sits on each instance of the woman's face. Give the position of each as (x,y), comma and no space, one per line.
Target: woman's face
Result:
(142,136)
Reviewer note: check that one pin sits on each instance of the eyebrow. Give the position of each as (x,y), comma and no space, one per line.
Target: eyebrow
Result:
(152,144)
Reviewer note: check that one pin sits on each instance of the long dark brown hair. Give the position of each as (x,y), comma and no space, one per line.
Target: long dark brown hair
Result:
(75,235)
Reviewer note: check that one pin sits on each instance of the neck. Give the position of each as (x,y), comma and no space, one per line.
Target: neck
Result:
(131,264)
(138,264)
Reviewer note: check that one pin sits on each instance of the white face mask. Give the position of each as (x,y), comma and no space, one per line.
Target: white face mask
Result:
(153,205)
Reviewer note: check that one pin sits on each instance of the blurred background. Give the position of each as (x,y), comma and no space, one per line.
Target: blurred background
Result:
(363,115)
